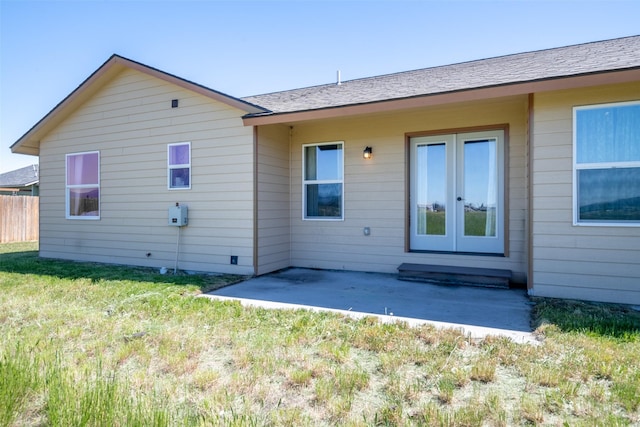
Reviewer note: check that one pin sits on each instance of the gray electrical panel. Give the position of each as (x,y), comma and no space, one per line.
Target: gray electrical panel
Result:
(178,215)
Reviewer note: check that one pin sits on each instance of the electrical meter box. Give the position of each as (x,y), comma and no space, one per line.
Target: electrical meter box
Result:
(178,215)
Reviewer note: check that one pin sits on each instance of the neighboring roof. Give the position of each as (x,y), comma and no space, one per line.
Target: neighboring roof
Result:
(29,143)
(23,177)
(578,60)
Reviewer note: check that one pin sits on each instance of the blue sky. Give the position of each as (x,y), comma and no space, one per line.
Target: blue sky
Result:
(47,48)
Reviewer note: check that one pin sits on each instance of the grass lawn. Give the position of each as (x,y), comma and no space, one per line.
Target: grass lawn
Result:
(88,344)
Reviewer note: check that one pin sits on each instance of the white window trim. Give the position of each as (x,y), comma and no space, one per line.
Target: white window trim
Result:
(180,166)
(604,165)
(325,181)
(67,187)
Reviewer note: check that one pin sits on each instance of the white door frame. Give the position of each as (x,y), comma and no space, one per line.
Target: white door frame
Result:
(452,238)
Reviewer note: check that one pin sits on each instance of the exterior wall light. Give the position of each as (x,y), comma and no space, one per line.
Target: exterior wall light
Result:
(367,153)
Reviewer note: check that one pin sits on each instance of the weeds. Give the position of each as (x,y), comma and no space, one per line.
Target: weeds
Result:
(627,393)
(18,378)
(484,370)
(446,387)
(98,399)
(531,410)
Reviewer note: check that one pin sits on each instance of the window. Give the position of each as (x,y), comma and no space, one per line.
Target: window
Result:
(607,164)
(322,184)
(83,185)
(179,166)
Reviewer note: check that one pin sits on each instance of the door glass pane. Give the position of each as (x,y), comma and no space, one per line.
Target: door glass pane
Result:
(431,188)
(480,188)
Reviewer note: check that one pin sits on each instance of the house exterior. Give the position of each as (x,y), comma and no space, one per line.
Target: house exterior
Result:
(20,182)
(528,163)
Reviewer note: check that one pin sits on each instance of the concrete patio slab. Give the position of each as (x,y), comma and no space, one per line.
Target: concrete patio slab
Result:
(476,311)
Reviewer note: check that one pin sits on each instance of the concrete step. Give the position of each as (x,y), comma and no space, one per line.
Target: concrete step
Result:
(455,275)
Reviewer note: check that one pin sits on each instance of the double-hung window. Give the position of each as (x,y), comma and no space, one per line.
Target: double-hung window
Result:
(83,185)
(322,181)
(179,166)
(607,164)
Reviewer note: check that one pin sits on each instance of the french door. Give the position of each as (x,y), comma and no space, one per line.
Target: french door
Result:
(457,192)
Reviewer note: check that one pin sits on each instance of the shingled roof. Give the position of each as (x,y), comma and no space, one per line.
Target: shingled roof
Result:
(570,61)
(20,178)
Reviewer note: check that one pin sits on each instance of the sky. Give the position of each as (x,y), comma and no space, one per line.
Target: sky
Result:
(241,47)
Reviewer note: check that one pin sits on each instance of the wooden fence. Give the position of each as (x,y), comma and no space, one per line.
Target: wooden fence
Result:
(19,217)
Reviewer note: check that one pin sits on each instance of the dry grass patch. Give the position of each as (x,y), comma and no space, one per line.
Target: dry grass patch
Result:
(484,370)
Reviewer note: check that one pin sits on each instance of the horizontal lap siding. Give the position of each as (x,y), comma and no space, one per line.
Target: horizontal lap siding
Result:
(589,263)
(273,229)
(375,189)
(130,121)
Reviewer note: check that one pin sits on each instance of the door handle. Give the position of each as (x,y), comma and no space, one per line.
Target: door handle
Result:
(459,199)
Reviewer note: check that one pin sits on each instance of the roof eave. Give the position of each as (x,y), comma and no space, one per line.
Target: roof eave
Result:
(19,186)
(442,98)
(29,143)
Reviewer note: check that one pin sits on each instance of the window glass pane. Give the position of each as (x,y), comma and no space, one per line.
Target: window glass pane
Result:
(609,194)
(608,134)
(179,154)
(82,169)
(84,201)
(431,188)
(324,200)
(323,162)
(179,177)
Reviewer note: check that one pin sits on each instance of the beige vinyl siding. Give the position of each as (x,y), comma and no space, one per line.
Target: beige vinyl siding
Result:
(582,262)
(273,221)
(130,121)
(375,189)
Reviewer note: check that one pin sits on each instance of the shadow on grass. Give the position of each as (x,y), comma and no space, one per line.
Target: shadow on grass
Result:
(28,262)
(616,321)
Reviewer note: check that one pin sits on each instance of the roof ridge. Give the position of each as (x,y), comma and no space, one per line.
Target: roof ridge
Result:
(503,56)
(295,89)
